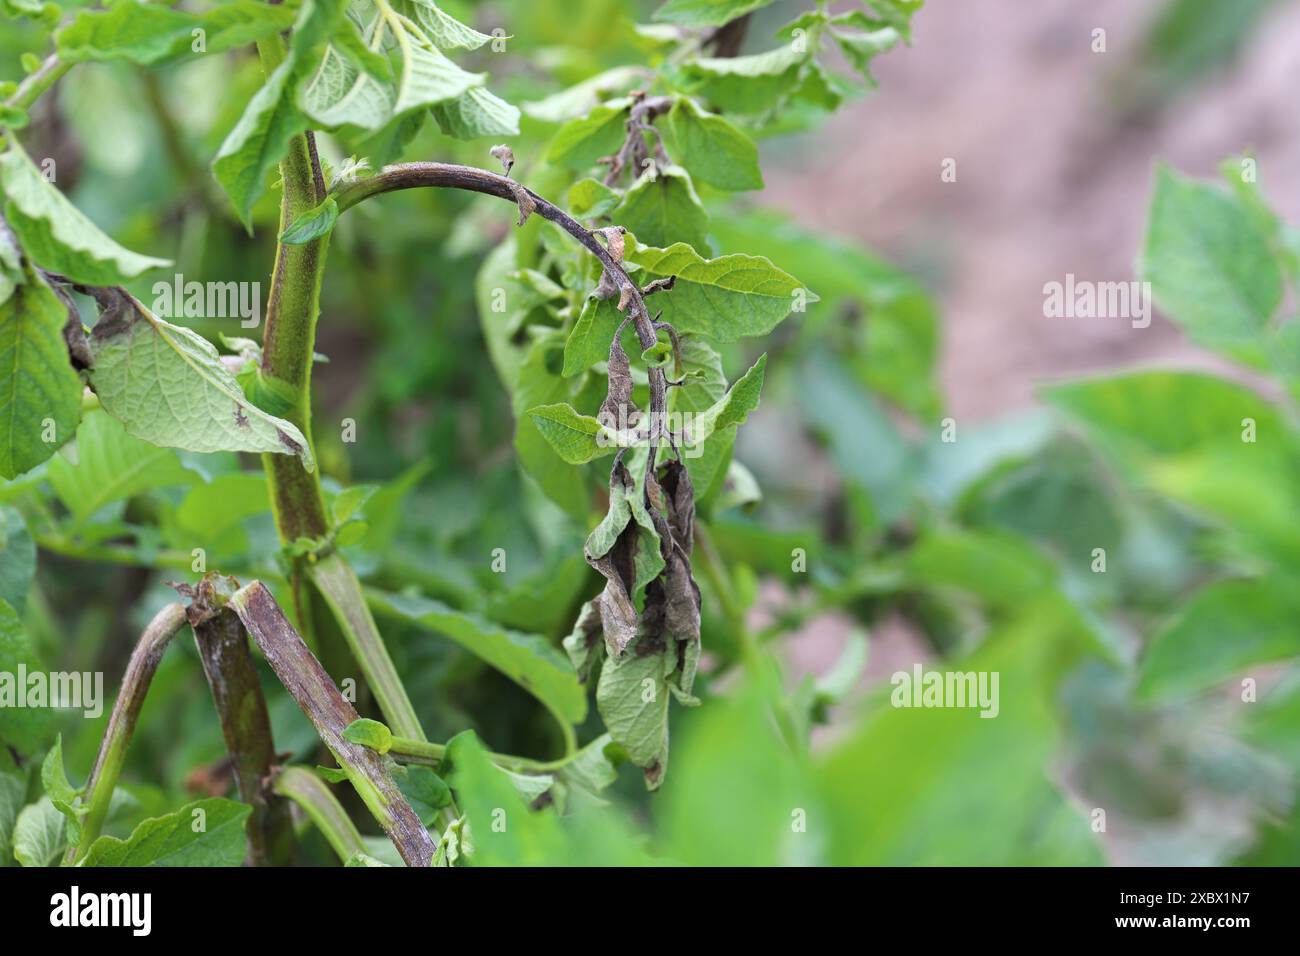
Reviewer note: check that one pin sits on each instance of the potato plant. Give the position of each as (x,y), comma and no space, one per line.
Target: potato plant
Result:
(510,601)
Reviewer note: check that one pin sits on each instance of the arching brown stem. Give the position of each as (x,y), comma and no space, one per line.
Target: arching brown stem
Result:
(472,179)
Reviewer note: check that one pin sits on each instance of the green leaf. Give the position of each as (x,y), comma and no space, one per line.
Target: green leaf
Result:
(861,46)
(445,31)
(476,113)
(26,729)
(150,34)
(867,446)
(55,779)
(425,791)
(527,659)
(591,336)
(40,394)
(204,833)
(756,830)
(340,93)
(1226,628)
(902,788)
(168,385)
(706,13)
(662,207)
(711,149)
(540,384)
(632,696)
(312,224)
(726,298)
(1168,413)
(731,410)
(17,558)
(111,466)
(757,84)
(39,837)
(13,788)
(1209,263)
(427,76)
(576,438)
(369,733)
(591,199)
(54,233)
(580,142)
(257,143)
(272,118)
(503,830)
(704,384)
(581,98)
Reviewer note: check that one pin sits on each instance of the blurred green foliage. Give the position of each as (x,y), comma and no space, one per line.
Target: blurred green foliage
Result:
(1123,683)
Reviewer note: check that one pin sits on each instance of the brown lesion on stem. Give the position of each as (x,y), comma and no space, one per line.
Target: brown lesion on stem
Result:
(472,179)
(330,713)
(241,708)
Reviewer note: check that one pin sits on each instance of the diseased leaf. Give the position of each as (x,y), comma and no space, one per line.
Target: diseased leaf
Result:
(204,833)
(711,149)
(40,393)
(649,612)
(527,659)
(726,298)
(54,233)
(150,34)
(167,385)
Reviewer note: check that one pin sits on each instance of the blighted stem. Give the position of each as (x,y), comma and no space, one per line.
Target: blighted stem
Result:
(330,713)
(245,723)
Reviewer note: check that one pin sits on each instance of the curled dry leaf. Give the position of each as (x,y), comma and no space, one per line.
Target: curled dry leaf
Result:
(505,155)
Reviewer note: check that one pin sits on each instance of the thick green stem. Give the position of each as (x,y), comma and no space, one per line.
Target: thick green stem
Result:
(289,335)
(308,791)
(338,584)
(37,82)
(288,344)
(121,723)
